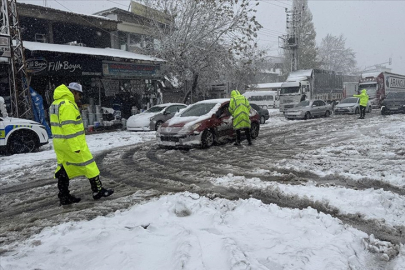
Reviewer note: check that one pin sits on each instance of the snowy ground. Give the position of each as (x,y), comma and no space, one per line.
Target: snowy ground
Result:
(185,230)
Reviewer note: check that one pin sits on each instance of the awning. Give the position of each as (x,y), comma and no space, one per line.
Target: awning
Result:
(38,46)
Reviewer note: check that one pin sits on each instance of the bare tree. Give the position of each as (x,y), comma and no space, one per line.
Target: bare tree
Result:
(334,55)
(204,38)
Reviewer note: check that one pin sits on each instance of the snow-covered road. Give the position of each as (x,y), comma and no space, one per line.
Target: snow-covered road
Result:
(342,168)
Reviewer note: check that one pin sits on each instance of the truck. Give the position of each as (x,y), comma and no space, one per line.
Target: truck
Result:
(379,84)
(350,89)
(308,84)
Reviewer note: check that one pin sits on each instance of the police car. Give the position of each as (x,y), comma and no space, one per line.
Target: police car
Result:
(21,135)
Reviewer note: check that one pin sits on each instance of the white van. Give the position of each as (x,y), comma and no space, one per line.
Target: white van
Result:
(264,99)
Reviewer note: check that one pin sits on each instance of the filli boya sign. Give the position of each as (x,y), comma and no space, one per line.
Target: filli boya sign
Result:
(63,67)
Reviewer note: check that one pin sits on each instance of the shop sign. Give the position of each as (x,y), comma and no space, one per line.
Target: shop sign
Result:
(5,50)
(63,66)
(127,70)
(36,65)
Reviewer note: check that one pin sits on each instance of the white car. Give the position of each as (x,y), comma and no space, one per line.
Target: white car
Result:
(21,135)
(151,119)
(350,105)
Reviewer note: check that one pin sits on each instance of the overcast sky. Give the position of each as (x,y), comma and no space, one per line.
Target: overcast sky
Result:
(375,30)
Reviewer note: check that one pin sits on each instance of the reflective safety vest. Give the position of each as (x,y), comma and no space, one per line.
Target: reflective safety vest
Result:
(69,137)
(363,97)
(239,107)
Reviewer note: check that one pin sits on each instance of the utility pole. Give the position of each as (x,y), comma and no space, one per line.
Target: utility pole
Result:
(291,40)
(21,103)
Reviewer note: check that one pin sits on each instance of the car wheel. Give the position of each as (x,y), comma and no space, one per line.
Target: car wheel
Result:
(158,124)
(262,120)
(369,109)
(384,111)
(254,130)
(22,141)
(307,115)
(327,114)
(357,111)
(207,139)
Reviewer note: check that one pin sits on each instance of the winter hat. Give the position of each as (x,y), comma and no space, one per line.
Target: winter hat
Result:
(75,86)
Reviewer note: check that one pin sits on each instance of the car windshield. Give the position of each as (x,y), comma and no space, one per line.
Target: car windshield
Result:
(156,108)
(396,95)
(198,109)
(350,100)
(304,103)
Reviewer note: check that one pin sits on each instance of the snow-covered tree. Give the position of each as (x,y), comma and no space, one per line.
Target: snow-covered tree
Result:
(333,55)
(204,38)
(307,50)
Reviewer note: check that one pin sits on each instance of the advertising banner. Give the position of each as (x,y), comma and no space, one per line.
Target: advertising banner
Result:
(130,70)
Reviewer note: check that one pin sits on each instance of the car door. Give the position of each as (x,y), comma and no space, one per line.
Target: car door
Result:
(2,133)
(323,106)
(315,109)
(224,129)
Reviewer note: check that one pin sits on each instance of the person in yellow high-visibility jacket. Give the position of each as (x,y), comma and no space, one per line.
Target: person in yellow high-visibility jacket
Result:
(363,102)
(239,107)
(72,153)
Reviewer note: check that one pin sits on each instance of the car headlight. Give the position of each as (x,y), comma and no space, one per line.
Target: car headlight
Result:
(192,127)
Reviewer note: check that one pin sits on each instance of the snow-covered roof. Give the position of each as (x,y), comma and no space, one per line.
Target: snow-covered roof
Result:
(299,75)
(265,85)
(38,46)
(35,8)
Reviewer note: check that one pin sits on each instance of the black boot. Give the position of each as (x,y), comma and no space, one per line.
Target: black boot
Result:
(63,185)
(98,190)
(248,137)
(237,142)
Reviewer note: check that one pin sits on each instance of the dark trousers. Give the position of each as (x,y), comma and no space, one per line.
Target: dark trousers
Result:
(63,183)
(362,111)
(247,134)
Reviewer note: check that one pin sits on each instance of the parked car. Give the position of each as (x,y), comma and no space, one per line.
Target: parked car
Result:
(151,119)
(308,109)
(350,105)
(202,124)
(263,113)
(21,135)
(394,102)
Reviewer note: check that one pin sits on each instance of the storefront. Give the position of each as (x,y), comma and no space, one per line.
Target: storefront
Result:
(107,75)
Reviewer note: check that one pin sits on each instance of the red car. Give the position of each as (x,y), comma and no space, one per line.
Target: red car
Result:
(203,124)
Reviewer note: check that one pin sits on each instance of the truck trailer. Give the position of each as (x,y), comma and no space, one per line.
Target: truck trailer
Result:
(379,84)
(320,84)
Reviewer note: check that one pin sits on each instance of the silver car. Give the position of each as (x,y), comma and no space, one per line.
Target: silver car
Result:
(151,119)
(350,105)
(309,109)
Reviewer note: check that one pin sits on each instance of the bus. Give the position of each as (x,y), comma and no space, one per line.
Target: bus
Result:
(264,99)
